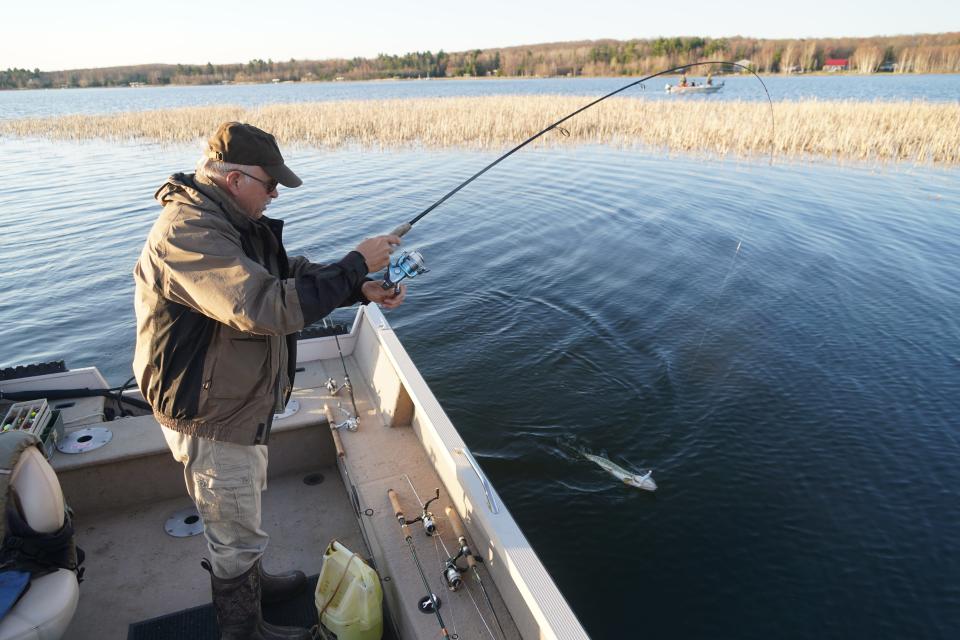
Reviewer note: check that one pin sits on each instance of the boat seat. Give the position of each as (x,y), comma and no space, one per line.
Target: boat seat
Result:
(45,610)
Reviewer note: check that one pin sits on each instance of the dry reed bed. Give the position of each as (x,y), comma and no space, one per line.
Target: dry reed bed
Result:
(918,132)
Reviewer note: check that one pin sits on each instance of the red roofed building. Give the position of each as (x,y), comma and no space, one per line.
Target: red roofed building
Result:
(836,64)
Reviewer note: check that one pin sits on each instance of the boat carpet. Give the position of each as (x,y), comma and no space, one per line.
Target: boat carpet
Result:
(200,623)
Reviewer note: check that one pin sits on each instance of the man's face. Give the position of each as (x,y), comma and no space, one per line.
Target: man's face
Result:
(249,189)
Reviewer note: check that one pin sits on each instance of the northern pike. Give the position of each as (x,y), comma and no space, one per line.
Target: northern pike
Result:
(644,481)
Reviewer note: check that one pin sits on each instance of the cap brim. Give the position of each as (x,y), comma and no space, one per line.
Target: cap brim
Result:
(283,175)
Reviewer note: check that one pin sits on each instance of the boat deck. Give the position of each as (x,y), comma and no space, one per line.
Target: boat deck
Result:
(123,493)
(136,571)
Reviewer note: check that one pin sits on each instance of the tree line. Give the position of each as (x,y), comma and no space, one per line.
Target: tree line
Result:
(929,53)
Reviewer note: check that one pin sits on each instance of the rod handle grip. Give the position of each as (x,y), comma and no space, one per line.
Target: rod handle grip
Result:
(398,512)
(337,442)
(402,229)
(458,531)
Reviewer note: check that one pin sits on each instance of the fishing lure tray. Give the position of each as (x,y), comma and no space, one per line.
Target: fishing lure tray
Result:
(35,417)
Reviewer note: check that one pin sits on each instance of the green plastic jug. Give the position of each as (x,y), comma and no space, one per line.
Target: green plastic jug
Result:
(349,598)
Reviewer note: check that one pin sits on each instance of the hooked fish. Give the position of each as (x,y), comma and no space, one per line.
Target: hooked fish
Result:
(644,481)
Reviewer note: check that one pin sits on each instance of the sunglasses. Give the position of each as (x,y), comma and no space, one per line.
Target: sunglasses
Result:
(270,185)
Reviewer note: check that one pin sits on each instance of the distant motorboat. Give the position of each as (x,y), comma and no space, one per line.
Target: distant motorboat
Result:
(696,88)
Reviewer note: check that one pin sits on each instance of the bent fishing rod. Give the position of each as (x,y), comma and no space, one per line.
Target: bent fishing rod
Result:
(410,263)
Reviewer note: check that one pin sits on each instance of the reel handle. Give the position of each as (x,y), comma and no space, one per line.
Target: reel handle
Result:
(402,229)
(457,525)
(398,512)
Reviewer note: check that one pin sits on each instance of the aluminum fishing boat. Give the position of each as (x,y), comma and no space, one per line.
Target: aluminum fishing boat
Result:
(138,527)
(699,88)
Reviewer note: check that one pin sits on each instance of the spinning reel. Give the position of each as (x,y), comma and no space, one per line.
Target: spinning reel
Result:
(426,517)
(408,264)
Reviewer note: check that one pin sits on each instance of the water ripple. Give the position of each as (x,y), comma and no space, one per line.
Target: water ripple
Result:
(796,396)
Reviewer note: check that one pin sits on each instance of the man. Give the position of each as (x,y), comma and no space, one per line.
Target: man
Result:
(218,303)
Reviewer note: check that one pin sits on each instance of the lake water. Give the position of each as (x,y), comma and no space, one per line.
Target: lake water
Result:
(798,398)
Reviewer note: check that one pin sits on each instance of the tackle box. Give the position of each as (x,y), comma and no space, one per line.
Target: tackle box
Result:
(35,417)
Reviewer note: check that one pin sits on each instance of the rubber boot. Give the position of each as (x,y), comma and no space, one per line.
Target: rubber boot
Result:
(280,586)
(237,605)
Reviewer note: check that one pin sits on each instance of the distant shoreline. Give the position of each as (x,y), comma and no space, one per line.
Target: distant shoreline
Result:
(634,58)
(902,131)
(626,79)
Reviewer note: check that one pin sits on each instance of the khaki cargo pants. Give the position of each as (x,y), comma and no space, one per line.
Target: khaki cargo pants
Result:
(224,480)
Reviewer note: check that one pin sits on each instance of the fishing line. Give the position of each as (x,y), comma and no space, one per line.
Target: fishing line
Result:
(405,227)
(736,252)
(409,264)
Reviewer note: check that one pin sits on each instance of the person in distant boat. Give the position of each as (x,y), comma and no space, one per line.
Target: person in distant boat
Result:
(709,79)
(218,303)
(683,79)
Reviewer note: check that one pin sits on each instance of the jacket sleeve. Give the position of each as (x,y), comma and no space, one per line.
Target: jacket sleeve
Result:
(204,267)
(321,287)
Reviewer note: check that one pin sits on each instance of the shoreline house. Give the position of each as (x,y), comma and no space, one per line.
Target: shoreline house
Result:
(836,64)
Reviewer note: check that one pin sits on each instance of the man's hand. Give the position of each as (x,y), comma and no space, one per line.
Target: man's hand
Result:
(386,298)
(376,251)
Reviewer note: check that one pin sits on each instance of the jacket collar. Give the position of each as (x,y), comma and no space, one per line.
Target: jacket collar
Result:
(224,202)
(189,188)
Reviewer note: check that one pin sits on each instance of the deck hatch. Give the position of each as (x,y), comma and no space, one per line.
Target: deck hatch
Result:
(184,523)
(83,440)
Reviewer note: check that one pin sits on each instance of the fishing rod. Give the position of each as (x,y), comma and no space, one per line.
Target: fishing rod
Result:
(430,602)
(351,422)
(452,574)
(451,571)
(409,264)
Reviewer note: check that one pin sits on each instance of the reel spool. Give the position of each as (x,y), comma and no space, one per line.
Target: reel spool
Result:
(408,264)
(429,526)
(452,577)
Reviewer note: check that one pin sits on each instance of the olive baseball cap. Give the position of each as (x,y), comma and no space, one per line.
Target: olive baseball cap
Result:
(241,143)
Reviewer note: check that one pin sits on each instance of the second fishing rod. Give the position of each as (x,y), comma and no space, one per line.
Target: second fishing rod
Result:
(409,264)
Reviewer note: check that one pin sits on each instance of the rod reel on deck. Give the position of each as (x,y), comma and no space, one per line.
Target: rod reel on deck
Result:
(350,422)
(334,388)
(453,572)
(426,517)
(429,603)
(472,561)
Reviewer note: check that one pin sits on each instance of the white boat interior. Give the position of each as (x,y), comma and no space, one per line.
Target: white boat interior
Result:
(323,484)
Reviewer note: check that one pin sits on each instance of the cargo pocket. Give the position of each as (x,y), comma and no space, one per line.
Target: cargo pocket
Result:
(229,489)
(221,499)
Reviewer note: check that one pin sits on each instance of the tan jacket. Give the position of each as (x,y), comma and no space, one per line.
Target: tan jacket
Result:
(218,304)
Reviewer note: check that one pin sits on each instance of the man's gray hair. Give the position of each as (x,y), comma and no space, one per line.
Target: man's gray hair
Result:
(212,169)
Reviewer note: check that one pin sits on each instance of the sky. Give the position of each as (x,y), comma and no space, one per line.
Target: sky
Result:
(66,34)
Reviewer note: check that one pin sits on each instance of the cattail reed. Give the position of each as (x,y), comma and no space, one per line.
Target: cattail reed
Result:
(917,132)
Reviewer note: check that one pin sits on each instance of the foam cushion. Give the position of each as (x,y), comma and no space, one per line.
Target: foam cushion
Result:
(38,490)
(45,610)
